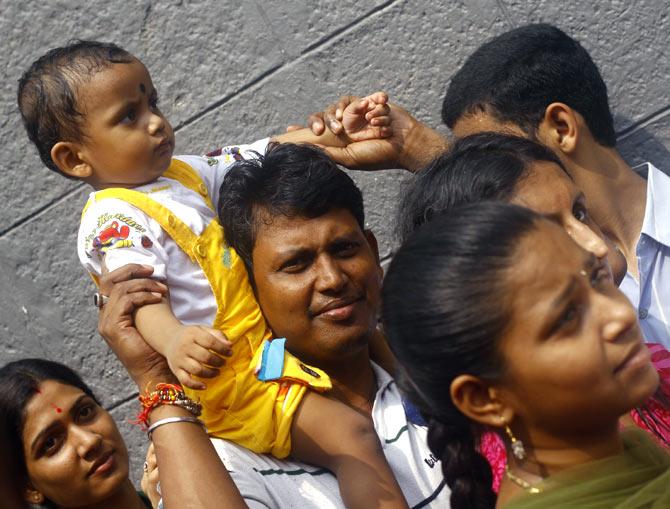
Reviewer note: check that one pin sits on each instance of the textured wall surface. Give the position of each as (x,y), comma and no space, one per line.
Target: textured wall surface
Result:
(233,71)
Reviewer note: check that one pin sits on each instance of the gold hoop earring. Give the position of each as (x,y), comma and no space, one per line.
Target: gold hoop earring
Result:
(517,445)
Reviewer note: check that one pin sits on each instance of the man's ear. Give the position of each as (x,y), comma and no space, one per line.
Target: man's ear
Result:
(67,157)
(372,240)
(480,401)
(561,127)
(32,496)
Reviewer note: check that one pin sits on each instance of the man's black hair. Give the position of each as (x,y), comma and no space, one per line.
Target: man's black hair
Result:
(515,76)
(47,93)
(289,180)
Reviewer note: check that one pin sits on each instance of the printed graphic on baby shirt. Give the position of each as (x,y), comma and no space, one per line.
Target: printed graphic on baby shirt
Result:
(112,237)
(113,231)
(227,154)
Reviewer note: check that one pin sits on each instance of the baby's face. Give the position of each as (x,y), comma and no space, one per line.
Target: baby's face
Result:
(127,141)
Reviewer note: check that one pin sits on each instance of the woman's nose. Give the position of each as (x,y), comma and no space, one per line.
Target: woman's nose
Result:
(588,239)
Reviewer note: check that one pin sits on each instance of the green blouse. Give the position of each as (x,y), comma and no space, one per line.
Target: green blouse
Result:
(637,478)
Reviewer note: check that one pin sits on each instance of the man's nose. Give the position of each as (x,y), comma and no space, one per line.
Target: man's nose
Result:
(330,276)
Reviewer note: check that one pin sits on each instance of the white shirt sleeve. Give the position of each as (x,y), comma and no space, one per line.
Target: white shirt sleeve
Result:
(117,233)
(254,493)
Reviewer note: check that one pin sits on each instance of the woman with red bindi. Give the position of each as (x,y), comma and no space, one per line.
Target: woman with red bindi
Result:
(69,450)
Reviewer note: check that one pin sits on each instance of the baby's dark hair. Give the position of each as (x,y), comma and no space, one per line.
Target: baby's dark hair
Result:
(47,93)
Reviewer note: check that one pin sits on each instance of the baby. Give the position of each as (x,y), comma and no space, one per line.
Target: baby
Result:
(92,111)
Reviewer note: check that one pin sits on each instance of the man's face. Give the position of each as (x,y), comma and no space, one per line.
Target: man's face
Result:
(318,283)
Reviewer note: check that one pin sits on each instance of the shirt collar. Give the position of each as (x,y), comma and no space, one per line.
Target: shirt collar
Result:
(383,378)
(657,210)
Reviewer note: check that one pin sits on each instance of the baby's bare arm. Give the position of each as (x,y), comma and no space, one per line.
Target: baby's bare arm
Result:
(366,118)
(193,350)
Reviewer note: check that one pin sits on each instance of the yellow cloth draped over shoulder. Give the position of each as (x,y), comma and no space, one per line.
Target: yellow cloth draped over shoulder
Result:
(637,478)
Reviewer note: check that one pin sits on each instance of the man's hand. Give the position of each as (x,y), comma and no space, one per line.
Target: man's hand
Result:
(411,145)
(199,351)
(116,325)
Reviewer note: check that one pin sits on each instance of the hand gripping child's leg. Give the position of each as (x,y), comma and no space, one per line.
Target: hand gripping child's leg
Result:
(330,434)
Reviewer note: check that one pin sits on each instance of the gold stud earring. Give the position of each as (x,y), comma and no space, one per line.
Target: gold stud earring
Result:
(517,445)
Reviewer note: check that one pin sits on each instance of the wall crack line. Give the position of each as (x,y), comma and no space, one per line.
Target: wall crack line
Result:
(273,70)
(644,121)
(505,13)
(229,97)
(40,210)
(121,402)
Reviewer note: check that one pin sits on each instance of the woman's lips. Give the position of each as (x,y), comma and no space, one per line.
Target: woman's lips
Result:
(104,466)
(638,357)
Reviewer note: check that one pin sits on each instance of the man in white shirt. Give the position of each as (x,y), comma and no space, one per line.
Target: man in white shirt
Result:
(536,81)
(297,222)
(265,481)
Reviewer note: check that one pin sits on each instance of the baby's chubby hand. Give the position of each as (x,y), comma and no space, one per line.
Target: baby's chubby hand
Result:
(199,351)
(366,118)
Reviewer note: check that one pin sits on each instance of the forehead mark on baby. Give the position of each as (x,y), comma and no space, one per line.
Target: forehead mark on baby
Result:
(143,89)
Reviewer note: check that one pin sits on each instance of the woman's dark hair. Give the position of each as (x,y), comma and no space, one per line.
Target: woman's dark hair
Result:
(444,312)
(516,75)
(481,167)
(19,382)
(47,93)
(10,492)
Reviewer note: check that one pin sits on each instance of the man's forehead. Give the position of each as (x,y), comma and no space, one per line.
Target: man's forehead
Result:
(484,121)
(285,231)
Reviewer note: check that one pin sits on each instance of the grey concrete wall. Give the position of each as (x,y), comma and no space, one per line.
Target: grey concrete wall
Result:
(233,71)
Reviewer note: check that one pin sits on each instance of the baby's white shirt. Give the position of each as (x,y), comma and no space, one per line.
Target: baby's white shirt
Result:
(134,237)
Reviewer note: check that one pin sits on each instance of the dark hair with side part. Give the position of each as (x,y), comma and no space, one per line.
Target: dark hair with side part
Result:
(19,382)
(516,75)
(289,180)
(47,93)
(444,313)
(485,166)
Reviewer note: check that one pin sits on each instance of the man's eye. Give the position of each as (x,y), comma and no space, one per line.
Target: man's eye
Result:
(347,248)
(294,265)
